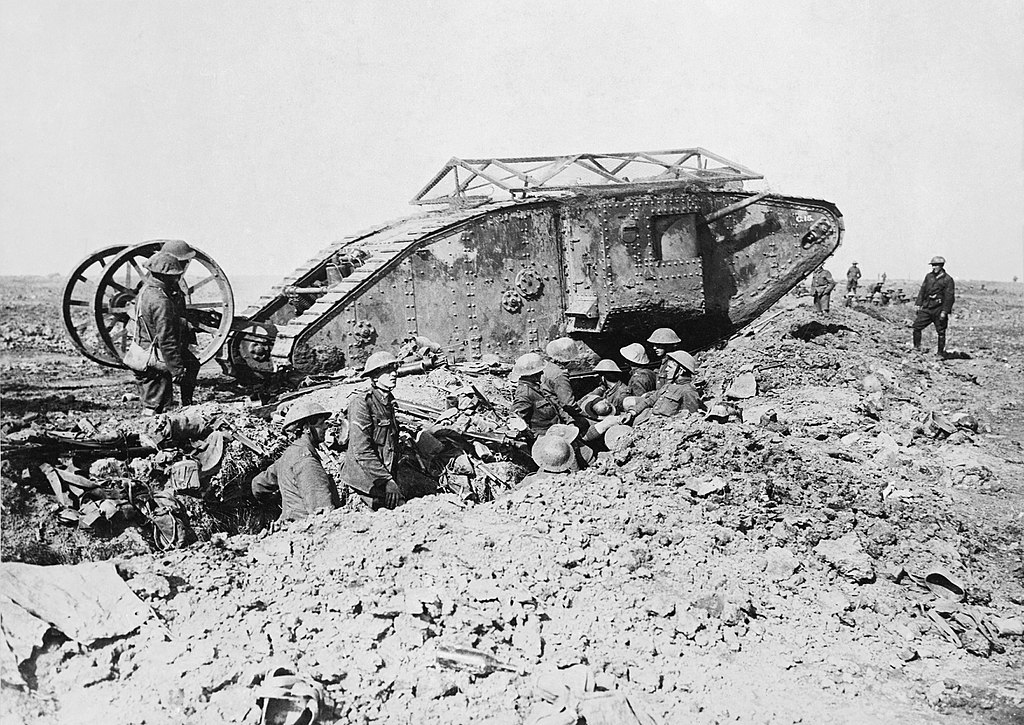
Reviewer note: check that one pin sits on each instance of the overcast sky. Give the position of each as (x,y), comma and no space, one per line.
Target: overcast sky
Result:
(262,131)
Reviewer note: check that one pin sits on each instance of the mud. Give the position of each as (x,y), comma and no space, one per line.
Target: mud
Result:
(763,569)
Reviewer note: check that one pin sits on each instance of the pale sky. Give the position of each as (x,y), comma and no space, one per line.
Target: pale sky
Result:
(261,131)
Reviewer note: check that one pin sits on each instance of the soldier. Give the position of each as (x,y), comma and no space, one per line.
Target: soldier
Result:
(934,304)
(662,341)
(298,476)
(372,456)
(553,456)
(532,402)
(555,378)
(852,278)
(678,395)
(160,321)
(611,388)
(822,285)
(180,250)
(641,378)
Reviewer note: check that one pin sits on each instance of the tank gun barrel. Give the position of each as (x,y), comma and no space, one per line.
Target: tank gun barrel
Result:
(742,204)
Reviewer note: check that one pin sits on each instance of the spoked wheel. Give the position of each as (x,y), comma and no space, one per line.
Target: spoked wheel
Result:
(209,304)
(76,306)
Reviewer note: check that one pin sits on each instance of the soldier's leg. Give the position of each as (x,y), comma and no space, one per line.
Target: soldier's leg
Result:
(155,390)
(187,383)
(826,302)
(922,321)
(941,323)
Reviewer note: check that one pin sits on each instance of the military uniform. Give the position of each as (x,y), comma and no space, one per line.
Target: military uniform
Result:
(536,406)
(160,317)
(642,380)
(372,456)
(852,278)
(822,285)
(614,393)
(300,478)
(555,380)
(672,398)
(936,297)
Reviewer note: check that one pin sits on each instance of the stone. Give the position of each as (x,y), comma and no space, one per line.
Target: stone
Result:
(782,563)
(848,557)
(743,386)
(1009,626)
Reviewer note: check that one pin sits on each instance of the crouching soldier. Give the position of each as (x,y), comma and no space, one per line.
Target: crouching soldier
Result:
(298,476)
(642,379)
(677,395)
(554,457)
(532,402)
(372,457)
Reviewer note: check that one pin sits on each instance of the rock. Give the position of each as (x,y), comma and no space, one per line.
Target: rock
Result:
(645,678)
(848,557)
(782,563)
(433,685)
(871,384)
(743,386)
(1009,626)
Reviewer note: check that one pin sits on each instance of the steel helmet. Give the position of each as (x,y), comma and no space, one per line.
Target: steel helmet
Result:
(664,336)
(562,349)
(607,366)
(630,401)
(635,353)
(616,436)
(528,364)
(566,432)
(379,362)
(938,260)
(684,359)
(179,249)
(552,453)
(164,263)
(303,410)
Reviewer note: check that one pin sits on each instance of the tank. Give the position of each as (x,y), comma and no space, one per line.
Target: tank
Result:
(504,254)
(515,251)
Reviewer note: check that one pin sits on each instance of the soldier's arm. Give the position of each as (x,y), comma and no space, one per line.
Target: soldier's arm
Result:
(920,293)
(522,407)
(264,485)
(360,439)
(165,329)
(315,486)
(950,297)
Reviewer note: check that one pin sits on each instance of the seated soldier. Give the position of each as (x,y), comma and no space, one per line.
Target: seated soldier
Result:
(553,456)
(531,401)
(677,395)
(642,379)
(611,388)
(663,341)
(555,377)
(298,476)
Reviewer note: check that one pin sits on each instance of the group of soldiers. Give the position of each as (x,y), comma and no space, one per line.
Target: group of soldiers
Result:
(651,378)
(568,432)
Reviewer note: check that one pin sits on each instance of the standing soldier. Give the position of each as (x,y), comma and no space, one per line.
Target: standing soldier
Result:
(822,285)
(663,341)
(852,278)
(934,304)
(372,456)
(641,378)
(298,475)
(161,323)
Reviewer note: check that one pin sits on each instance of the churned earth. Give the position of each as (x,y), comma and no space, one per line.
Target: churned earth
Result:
(769,567)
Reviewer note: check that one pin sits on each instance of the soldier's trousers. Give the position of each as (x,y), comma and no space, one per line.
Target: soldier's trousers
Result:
(822,301)
(927,317)
(157,391)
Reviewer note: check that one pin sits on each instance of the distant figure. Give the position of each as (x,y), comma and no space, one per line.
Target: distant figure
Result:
(934,304)
(298,476)
(822,285)
(160,321)
(852,278)
(372,457)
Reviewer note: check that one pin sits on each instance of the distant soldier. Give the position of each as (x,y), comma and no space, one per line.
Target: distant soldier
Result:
(372,457)
(642,379)
(160,320)
(934,304)
(663,341)
(532,402)
(298,476)
(822,285)
(677,395)
(852,278)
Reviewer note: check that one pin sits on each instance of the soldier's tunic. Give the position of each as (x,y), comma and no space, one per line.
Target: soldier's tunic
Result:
(555,380)
(536,406)
(672,399)
(614,392)
(300,478)
(937,295)
(372,456)
(160,317)
(642,380)
(662,376)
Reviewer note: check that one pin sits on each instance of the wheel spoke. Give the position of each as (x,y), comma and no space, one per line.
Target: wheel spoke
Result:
(201,282)
(205,305)
(135,265)
(78,303)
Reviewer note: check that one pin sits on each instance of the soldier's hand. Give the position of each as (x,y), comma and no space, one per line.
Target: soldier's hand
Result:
(943,315)
(393,495)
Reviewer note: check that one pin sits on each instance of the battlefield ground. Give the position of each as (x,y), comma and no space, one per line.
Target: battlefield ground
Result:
(845,548)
